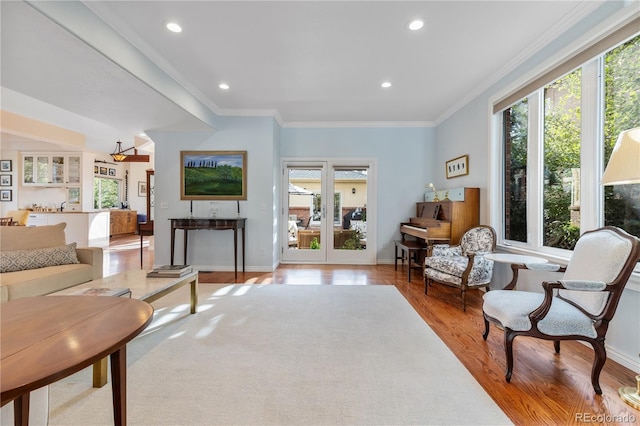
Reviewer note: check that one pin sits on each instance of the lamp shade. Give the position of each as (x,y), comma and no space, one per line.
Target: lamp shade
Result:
(624,164)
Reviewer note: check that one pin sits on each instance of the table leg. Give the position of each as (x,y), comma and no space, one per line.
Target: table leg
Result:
(21,410)
(141,245)
(235,250)
(194,295)
(100,373)
(514,278)
(186,232)
(119,385)
(243,249)
(173,242)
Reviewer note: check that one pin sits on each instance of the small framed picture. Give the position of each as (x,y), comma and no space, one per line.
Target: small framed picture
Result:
(103,170)
(6,195)
(95,170)
(457,167)
(5,166)
(112,172)
(5,180)
(142,189)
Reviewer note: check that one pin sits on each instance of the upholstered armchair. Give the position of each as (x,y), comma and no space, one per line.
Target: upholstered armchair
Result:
(463,266)
(577,307)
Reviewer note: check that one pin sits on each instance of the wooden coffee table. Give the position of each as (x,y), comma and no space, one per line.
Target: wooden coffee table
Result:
(45,339)
(142,288)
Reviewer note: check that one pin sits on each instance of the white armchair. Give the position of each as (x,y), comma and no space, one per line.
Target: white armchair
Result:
(577,307)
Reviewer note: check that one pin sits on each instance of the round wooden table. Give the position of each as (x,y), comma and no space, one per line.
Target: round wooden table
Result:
(47,338)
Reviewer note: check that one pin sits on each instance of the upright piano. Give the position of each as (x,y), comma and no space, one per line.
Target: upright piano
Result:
(444,221)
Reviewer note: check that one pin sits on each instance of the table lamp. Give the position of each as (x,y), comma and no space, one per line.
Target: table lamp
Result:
(624,168)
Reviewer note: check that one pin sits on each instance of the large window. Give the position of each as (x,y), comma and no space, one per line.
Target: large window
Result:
(106,193)
(555,138)
(561,176)
(515,133)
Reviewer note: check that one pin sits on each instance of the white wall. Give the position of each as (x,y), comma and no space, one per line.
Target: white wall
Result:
(213,250)
(404,160)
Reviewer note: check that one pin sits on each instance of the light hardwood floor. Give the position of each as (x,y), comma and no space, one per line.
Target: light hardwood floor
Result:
(546,388)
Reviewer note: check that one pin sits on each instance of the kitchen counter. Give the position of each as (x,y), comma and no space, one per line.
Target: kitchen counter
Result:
(87,229)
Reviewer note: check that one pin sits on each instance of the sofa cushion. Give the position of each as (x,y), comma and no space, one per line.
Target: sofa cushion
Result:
(38,282)
(20,260)
(32,237)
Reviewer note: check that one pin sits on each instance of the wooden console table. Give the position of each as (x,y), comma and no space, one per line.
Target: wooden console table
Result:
(210,223)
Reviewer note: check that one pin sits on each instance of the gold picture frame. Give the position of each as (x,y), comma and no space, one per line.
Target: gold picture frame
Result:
(213,175)
(458,166)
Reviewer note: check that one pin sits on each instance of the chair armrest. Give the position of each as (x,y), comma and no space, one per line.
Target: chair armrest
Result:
(583,285)
(541,311)
(550,267)
(91,256)
(446,250)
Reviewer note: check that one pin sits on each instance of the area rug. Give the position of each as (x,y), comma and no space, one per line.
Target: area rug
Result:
(285,355)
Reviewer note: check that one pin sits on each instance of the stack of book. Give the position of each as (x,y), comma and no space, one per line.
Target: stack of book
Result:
(170,271)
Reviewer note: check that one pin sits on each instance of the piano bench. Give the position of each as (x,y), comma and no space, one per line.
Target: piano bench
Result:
(412,251)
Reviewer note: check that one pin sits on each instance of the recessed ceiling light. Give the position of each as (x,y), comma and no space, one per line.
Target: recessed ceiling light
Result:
(223,86)
(416,24)
(172,26)
(386,84)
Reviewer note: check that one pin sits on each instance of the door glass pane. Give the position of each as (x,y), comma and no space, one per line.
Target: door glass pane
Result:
(562,102)
(305,208)
(350,208)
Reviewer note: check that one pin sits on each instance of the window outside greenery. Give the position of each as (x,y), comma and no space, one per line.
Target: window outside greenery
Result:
(515,120)
(106,193)
(562,119)
(564,145)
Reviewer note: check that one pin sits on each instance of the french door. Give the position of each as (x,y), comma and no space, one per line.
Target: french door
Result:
(325,214)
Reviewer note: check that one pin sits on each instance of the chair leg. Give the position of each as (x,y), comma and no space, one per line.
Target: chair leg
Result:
(486,329)
(556,346)
(600,356)
(464,300)
(426,284)
(508,348)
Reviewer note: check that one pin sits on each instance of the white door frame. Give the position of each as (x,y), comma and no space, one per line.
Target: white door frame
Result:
(328,254)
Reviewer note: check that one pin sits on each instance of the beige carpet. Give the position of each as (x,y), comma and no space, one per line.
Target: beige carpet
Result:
(285,355)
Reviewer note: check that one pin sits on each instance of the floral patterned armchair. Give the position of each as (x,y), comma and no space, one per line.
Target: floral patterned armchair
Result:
(463,266)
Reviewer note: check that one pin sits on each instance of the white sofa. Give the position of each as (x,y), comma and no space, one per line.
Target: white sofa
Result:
(36,260)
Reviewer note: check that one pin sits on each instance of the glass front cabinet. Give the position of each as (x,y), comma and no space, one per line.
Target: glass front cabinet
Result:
(44,169)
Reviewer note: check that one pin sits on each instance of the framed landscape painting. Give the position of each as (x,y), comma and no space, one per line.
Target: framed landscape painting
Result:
(213,175)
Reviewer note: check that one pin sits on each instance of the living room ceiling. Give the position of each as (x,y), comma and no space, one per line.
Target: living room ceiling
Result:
(304,62)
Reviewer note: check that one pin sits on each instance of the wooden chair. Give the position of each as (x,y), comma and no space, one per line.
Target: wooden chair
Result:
(577,307)
(462,266)
(6,221)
